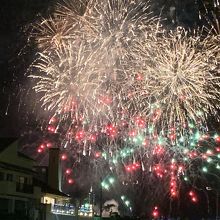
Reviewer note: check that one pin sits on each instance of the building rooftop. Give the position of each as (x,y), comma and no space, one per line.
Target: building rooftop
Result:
(13,167)
(5,142)
(25,156)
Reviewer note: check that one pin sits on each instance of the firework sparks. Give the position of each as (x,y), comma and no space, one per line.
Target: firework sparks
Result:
(122,90)
(79,56)
(181,79)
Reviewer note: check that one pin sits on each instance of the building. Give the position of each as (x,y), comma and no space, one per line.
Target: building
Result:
(23,194)
(56,204)
(18,195)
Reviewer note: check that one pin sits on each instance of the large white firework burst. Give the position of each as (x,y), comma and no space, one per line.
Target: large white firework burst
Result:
(71,81)
(178,76)
(117,23)
(80,56)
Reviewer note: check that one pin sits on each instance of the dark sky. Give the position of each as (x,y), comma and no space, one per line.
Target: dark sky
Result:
(18,113)
(15,15)
(17,109)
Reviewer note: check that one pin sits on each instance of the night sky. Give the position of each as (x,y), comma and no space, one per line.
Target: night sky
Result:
(19,111)
(16,109)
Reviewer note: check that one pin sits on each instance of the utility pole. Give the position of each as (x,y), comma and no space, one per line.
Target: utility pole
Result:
(216,201)
(100,198)
(217,205)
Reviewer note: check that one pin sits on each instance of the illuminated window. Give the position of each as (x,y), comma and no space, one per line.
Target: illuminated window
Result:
(22,180)
(48,200)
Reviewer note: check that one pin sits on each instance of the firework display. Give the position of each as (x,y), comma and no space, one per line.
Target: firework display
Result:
(181,79)
(123,90)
